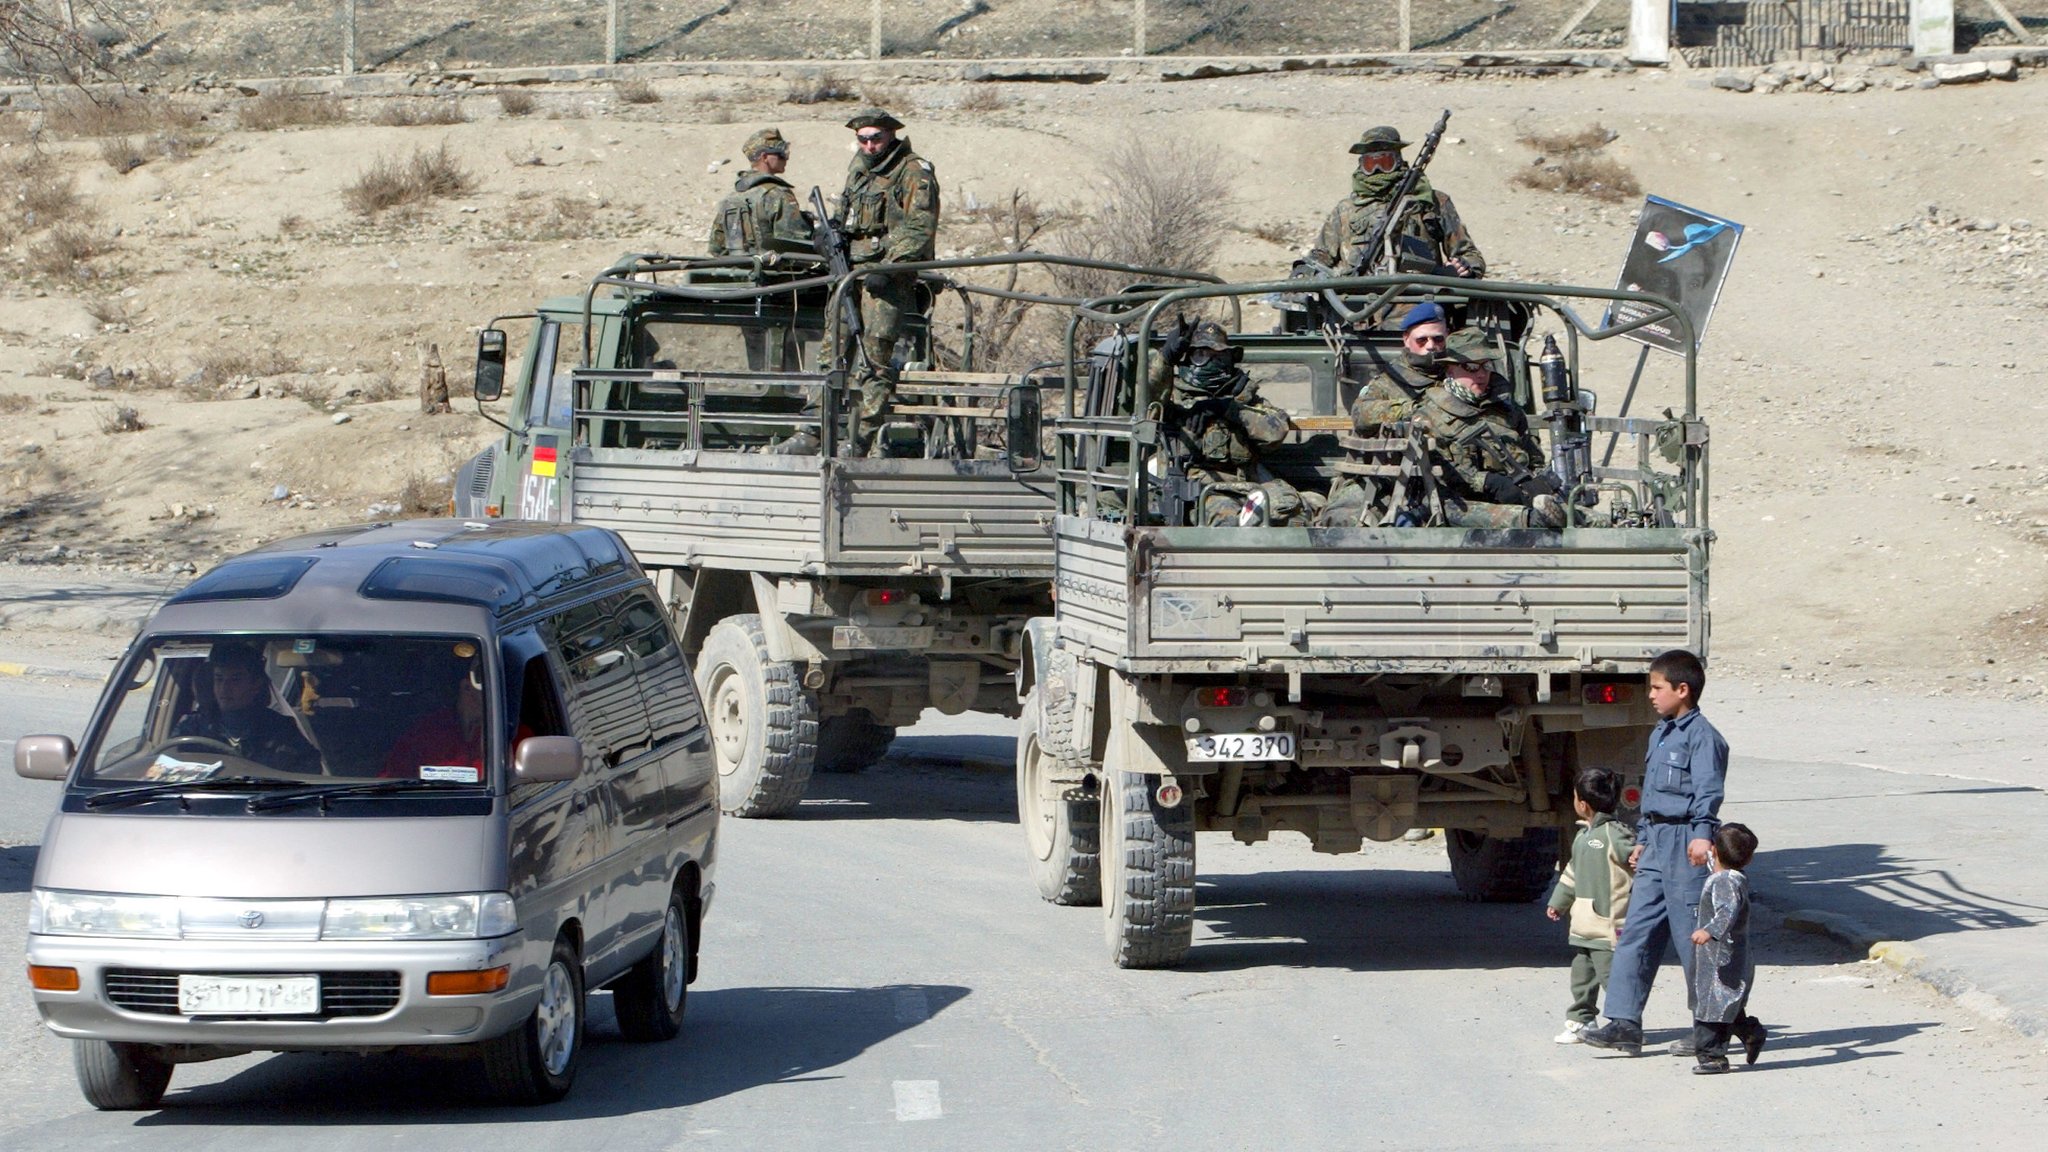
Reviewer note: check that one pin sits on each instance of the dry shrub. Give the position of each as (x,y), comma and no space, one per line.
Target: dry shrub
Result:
(35,194)
(290,108)
(637,92)
(225,365)
(1160,203)
(65,251)
(819,88)
(516,101)
(122,114)
(413,113)
(893,97)
(984,98)
(383,388)
(121,419)
(311,393)
(122,154)
(390,182)
(712,112)
(1574,163)
(424,495)
(14,402)
(1274,232)
(1003,338)
(561,218)
(178,143)
(113,311)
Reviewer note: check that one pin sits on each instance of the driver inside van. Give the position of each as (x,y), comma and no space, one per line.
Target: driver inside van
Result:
(240,716)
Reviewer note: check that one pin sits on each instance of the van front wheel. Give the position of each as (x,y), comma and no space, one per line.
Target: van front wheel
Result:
(535,1063)
(120,1077)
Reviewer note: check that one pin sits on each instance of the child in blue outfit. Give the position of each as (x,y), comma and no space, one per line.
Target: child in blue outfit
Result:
(1722,968)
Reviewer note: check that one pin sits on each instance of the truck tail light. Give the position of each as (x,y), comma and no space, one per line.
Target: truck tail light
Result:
(1610,694)
(1221,697)
(890,597)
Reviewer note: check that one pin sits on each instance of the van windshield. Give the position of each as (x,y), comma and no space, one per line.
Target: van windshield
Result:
(297,709)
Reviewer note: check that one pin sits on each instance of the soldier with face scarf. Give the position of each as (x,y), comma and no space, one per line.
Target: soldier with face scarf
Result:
(1429,238)
(1214,412)
(1481,442)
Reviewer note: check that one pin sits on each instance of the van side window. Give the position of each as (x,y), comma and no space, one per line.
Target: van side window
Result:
(665,685)
(604,697)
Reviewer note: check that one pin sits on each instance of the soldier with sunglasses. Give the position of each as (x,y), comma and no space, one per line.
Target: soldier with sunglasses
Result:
(1428,236)
(891,205)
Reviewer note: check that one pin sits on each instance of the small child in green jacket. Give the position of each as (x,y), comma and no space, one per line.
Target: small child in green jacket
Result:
(1593,890)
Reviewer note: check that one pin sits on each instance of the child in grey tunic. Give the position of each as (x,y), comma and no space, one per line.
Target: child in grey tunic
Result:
(1722,970)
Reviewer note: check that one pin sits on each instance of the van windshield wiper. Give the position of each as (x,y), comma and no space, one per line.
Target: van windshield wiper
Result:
(124,796)
(326,792)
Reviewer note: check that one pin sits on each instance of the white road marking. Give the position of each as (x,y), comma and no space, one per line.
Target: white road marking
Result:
(912,1007)
(918,1100)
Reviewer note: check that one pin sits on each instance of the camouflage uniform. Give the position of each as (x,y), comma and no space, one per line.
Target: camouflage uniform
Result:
(762,215)
(1475,486)
(1430,234)
(892,216)
(1223,428)
(1390,396)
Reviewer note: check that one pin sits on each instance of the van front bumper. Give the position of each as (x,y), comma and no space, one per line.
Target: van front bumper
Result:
(373,993)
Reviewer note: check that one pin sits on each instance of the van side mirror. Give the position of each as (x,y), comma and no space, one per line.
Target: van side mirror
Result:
(547,760)
(1024,428)
(44,757)
(490,364)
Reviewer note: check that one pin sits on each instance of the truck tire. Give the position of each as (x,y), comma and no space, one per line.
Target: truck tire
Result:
(1148,874)
(120,1077)
(764,727)
(650,998)
(852,742)
(1502,871)
(1063,837)
(1057,732)
(535,1063)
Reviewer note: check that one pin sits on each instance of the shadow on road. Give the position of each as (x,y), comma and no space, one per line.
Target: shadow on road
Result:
(735,1039)
(1899,898)
(920,783)
(17,867)
(1834,1046)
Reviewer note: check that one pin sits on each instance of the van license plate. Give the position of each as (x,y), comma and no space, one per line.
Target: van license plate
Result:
(248,995)
(1242,746)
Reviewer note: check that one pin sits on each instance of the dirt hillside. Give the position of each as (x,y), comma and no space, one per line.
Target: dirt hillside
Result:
(1879,493)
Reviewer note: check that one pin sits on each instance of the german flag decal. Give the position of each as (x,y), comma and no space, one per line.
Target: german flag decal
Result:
(544,457)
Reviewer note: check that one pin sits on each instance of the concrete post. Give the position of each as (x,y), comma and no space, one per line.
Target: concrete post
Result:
(1138,28)
(348,37)
(611,31)
(1934,27)
(875,30)
(1649,31)
(1407,26)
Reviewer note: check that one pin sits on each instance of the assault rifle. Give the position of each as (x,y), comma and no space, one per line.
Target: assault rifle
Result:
(830,241)
(1367,253)
(1529,484)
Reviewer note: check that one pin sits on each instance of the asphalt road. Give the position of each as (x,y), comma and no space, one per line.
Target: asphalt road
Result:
(878,973)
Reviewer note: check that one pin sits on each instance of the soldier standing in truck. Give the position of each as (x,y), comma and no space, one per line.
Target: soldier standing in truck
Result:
(1429,238)
(891,204)
(762,216)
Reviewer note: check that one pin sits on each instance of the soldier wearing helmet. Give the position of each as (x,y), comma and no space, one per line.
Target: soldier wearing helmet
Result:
(1481,443)
(1427,237)
(891,204)
(762,214)
(1210,409)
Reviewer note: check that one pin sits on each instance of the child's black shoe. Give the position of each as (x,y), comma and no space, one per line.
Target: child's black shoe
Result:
(1710,1067)
(1753,1044)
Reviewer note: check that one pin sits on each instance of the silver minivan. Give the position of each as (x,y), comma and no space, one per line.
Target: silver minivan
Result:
(381,788)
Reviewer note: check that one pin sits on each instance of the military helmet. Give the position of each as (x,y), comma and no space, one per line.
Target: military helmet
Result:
(1209,334)
(1384,138)
(874,118)
(1468,346)
(763,142)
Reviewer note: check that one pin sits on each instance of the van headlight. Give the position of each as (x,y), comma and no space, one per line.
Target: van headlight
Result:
(54,913)
(470,917)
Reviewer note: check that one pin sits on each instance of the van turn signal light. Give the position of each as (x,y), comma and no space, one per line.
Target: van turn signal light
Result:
(44,978)
(468,983)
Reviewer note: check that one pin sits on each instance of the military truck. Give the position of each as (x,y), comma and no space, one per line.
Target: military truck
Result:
(1345,683)
(823,602)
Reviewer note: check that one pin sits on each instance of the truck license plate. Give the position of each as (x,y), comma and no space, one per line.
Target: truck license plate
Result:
(854,636)
(1242,746)
(248,995)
